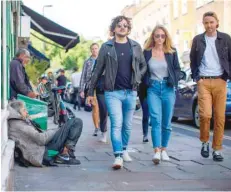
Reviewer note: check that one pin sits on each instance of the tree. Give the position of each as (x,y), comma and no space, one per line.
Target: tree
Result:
(58,57)
(36,68)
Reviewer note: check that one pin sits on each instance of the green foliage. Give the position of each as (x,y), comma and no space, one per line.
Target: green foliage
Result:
(35,69)
(58,57)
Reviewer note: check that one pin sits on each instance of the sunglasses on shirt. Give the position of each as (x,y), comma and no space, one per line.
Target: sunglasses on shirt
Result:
(162,36)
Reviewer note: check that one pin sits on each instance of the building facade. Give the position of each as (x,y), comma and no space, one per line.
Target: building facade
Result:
(186,19)
(10,27)
(146,14)
(183,19)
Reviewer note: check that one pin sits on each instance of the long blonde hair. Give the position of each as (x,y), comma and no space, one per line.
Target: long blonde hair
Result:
(150,43)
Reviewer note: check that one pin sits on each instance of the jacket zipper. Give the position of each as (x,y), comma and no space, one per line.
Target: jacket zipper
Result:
(116,60)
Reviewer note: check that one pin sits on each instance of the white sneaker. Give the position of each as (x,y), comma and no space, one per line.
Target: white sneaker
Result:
(126,156)
(118,163)
(164,156)
(156,158)
(103,138)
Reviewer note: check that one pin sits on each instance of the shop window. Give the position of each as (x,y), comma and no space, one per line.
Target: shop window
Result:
(184,6)
(175,9)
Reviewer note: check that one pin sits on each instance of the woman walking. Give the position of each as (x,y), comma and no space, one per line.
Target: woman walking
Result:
(163,74)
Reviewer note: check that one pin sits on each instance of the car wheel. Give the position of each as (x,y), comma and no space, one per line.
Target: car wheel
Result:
(174,119)
(196,117)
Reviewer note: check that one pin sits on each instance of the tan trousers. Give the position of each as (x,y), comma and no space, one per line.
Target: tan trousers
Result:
(95,112)
(212,98)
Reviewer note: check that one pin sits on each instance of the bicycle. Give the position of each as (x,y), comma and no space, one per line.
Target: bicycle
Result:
(62,112)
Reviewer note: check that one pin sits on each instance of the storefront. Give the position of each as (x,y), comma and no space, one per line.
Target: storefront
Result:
(10,23)
(13,15)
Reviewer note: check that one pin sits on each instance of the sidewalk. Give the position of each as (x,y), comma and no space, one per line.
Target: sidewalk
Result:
(186,171)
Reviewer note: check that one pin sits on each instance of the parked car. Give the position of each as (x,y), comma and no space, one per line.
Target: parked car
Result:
(186,100)
(69,96)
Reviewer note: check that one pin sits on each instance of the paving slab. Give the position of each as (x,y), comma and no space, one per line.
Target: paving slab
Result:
(187,171)
(162,185)
(100,156)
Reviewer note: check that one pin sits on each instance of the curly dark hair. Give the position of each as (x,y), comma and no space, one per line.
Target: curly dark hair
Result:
(118,19)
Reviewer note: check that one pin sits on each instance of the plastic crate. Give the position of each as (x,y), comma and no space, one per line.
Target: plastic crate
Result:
(35,106)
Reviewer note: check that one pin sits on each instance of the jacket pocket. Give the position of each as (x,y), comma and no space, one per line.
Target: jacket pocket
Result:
(225,52)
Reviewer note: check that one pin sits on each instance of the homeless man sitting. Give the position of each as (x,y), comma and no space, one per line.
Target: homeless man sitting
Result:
(36,146)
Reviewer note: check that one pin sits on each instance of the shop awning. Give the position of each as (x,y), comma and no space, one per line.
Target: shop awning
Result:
(53,31)
(37,54)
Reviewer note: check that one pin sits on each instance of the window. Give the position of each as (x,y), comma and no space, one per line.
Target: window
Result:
(199,28)
(208,1)
(184,6)
(175,8)
(186,45)
(199,3)
(176,41)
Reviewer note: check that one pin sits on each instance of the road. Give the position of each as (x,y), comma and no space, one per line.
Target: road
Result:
(189,123)
(186,126)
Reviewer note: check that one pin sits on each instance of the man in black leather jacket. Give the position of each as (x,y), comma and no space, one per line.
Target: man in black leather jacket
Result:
(211,66)
(122,61)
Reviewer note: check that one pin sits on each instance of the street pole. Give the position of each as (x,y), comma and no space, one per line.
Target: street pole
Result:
(44,6)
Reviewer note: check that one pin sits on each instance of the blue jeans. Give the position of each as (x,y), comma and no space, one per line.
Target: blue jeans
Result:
(121,106)
(161,100)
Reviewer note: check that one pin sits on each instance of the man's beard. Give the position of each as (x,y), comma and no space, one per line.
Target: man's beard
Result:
(121,35)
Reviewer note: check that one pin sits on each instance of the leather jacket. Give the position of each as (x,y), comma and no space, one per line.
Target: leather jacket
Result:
(223,46)
(107,63)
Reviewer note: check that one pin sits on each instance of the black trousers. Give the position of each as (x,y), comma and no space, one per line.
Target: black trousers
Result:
(77,99)
(143,101)
(103,113)
(68,135)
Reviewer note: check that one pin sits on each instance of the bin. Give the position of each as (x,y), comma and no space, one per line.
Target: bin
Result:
(35,106)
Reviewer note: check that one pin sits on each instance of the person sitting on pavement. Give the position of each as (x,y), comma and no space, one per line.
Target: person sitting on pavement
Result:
(42,90)
(35,144)
(19,81)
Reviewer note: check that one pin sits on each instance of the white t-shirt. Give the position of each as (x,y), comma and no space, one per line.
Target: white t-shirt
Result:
(75,79)
(210,64)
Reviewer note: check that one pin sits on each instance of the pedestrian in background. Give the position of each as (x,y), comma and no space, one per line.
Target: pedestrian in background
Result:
(62,81)
(163,71)
(42,90)
(143,87)
(211,66)
(51,78)
(19,80)
(122,61)
(75,80)
(103,113)
(85,81)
